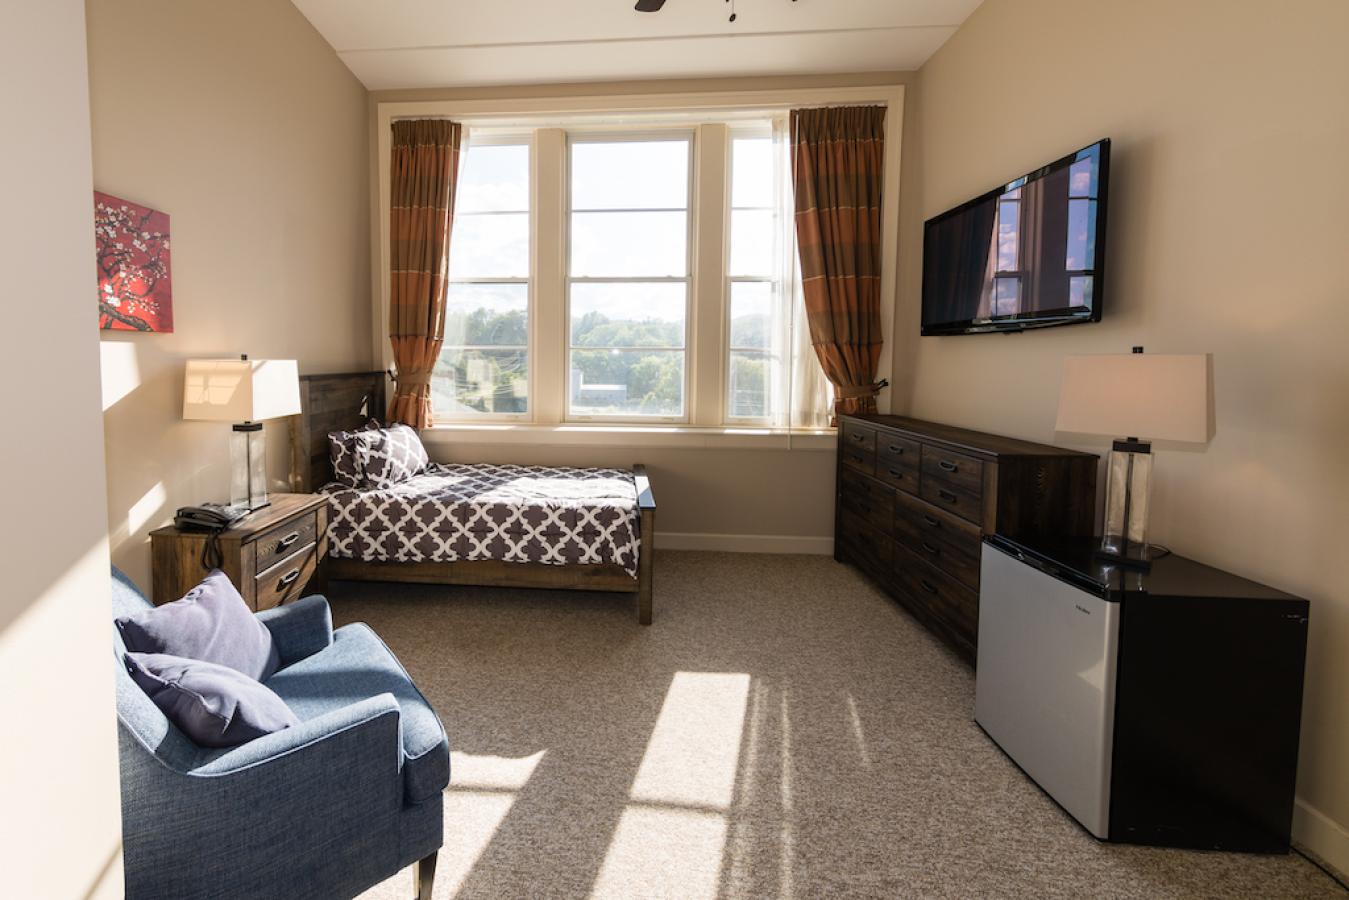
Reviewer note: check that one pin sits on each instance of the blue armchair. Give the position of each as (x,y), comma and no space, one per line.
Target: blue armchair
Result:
(326,809)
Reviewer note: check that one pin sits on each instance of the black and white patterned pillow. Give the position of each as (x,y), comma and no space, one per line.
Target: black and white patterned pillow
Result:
(342,452)
(388,456)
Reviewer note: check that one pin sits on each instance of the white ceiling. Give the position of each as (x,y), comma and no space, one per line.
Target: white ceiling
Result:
(454,43)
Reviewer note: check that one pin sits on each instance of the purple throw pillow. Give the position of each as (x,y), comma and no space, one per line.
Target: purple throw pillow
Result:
(390,455)
(215,706)
(211,623)
(342,452)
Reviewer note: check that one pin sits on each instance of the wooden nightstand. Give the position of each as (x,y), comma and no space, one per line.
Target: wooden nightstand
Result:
(271,555)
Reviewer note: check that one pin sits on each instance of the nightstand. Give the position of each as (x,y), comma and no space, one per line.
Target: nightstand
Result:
(270,555)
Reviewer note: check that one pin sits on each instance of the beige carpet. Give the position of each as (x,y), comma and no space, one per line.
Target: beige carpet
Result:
(782,730)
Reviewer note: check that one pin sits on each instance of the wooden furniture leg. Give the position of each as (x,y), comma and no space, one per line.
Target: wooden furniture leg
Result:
(424,872)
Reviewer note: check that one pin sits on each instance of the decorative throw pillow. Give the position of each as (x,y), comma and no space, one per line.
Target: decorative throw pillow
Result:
(346,468)
(390,455)
(215,706)
(211,623)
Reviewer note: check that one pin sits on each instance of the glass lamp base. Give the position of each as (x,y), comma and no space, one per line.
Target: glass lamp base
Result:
(248,467)
(1124,533)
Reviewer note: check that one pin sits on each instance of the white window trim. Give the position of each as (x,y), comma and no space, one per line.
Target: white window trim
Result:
(550,114)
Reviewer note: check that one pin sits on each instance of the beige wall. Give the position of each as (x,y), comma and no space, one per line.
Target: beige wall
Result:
(239,121)
(750,492)
(1228,235)
(58,761)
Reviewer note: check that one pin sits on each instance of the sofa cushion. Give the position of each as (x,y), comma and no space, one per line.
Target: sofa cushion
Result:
(210,624)
(358,665)
(215,706)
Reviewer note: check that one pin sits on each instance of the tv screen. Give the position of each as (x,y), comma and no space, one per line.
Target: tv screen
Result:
(1027,255)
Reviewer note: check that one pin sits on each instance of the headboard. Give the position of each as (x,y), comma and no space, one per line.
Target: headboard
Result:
(329,403)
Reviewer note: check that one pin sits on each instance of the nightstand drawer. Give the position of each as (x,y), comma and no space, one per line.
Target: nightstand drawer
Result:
(286,538)
(284,581)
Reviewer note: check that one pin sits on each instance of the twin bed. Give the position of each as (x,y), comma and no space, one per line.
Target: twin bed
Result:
(473,524)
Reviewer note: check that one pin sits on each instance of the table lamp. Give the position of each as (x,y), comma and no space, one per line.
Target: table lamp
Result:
(1147,397)
(246,392)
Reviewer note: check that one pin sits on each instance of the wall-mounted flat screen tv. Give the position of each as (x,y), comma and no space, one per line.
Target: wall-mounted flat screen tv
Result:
(1029,254)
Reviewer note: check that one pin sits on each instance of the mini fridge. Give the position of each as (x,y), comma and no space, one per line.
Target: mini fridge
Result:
(1157,707)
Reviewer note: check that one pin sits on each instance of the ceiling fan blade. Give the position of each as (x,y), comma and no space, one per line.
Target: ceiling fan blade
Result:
(649,5)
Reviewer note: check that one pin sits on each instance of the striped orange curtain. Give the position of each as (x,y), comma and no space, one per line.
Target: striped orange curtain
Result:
(837,162)
(424,166)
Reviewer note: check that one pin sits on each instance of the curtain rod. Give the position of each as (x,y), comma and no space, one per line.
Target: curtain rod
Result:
(655,111)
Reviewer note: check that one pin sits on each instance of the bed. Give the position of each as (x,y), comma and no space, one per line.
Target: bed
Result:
(491,525)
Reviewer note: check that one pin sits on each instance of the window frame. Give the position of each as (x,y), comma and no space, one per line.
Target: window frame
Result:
(523,138)
(610,135)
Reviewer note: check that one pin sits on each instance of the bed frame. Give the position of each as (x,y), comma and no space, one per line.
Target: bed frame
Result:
(346,401)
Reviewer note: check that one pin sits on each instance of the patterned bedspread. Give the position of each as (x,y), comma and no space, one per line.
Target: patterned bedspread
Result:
(554,515)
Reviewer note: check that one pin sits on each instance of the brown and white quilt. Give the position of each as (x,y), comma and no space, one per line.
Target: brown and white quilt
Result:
(529,514)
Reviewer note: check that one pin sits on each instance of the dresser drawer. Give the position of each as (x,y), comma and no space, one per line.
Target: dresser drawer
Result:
(857,446)
(937,595)
(286,538)
(953,482)
(946,541)
(864,546)
(285,580)
(868,499)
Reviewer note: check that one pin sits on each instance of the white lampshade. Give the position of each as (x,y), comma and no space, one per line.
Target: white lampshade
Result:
(241,390)
(1150,396)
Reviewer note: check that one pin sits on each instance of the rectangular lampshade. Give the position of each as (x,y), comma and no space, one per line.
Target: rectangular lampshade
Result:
(241,390)
(1151,396)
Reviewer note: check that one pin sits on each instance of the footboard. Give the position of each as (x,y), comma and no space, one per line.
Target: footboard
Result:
(646,563)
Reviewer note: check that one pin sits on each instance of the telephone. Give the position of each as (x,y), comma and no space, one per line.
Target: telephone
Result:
(208,517)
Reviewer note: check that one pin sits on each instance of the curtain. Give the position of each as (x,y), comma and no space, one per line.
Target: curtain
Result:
(424,165)
(837,179)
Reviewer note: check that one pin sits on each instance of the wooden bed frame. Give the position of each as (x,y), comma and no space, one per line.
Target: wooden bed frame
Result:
(346,401)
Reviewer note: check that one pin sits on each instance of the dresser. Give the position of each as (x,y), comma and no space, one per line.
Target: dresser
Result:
(914,500)
(270,555)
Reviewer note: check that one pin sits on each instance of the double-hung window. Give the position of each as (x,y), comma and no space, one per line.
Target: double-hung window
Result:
(628,275)
(483,368)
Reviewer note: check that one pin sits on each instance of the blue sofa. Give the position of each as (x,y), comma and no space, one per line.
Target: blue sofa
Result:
(323,810)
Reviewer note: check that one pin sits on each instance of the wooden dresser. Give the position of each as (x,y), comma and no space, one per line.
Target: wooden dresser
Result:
(270,555)
(914,499)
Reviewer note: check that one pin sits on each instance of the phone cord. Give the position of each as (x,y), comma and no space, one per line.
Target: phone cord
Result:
(212,557)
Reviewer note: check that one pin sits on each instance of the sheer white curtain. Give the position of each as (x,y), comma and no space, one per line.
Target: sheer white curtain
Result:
(809,395)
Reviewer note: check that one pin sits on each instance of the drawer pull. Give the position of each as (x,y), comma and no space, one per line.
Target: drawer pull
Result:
(931,549)
(858,437)
(894,474)
(288,579)
(947,465)
(947,495)
(896,449)
(931,522)
(927,586)
(288,540)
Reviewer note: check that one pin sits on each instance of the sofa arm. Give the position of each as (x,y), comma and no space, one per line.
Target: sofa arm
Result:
(300,629)
(351,724)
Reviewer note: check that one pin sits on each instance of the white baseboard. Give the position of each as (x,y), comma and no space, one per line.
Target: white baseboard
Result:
(745,543)
(1315,831)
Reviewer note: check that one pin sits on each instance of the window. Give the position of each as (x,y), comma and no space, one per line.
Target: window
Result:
(628,275)
(484,363)
(755,291)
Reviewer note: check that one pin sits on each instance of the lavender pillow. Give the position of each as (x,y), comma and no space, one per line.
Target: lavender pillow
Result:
(215,706)
(211,623)
(390,455)
(346,467)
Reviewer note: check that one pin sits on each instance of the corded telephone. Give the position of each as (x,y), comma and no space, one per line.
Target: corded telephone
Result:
(208,517)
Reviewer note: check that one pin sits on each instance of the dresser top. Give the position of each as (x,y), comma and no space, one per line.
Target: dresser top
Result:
(1074,560)
(978,443)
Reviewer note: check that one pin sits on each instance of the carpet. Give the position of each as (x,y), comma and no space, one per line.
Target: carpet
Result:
(782,730)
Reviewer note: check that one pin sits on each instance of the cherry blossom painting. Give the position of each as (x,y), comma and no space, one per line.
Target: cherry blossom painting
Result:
(134,289)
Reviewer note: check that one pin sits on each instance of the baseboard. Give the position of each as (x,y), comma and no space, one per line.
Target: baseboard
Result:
(1315,831)
(745,543)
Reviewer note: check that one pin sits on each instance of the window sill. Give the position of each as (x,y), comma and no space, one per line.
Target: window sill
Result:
(614,435)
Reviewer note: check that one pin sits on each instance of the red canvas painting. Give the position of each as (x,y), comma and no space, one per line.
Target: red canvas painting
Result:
(134,289)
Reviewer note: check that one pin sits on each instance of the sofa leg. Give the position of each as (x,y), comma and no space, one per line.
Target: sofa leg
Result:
(424,871)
